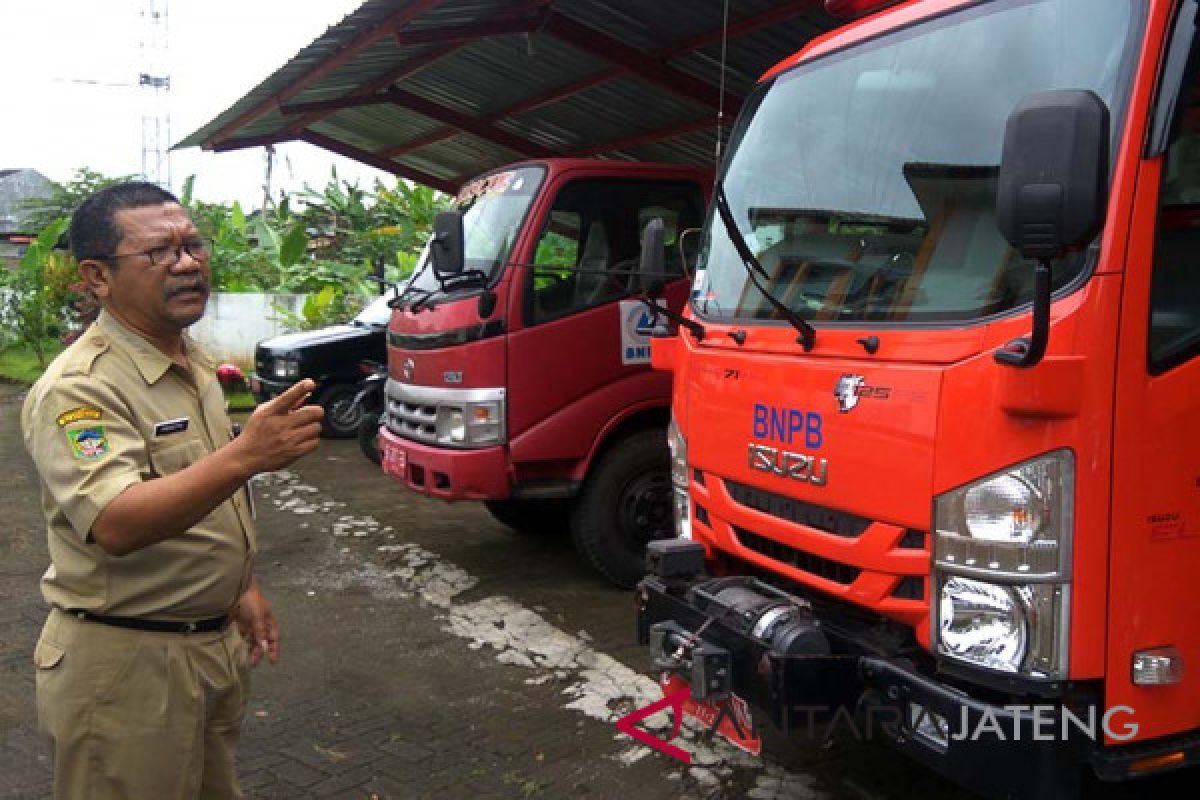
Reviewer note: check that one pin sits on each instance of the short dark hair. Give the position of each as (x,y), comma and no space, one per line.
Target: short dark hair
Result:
(94,233)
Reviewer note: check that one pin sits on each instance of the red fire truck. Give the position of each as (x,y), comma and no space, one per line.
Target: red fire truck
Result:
(937,454)
(519,354)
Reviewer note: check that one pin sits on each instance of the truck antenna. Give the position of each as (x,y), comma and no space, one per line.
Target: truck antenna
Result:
(721,93)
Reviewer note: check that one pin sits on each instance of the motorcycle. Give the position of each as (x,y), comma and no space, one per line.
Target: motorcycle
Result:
(370,400)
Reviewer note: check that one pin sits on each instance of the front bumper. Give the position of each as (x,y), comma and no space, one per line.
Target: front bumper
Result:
(843,690)
(447,474)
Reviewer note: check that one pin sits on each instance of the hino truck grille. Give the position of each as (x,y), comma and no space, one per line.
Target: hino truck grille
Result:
(412,421)
(454,418)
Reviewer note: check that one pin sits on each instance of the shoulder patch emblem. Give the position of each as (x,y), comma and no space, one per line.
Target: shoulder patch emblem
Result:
(88,443)
(78,415)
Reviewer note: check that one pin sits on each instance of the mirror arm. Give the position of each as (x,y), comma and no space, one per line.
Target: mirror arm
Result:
(650,299)
(1028,351)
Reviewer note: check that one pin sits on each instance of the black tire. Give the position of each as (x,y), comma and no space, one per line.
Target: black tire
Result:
(342,414)
(625,503)
(368,437)
(534,517)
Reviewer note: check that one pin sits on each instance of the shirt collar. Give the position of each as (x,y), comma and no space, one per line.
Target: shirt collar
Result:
(150,361)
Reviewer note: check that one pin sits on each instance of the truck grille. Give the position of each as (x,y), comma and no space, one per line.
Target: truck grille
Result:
(839,523)
(807,562)
(412,420)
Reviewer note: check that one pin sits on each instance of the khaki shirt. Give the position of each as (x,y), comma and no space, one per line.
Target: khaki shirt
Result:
(111,411)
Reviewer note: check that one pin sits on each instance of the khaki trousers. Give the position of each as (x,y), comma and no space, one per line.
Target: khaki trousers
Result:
(137,715)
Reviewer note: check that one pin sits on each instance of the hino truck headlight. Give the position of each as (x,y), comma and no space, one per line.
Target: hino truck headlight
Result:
(484,422)
(679,480)
(1002,565)
(451,426)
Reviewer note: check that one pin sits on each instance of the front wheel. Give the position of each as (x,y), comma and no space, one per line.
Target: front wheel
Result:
(342,414)
(368,436)
(625,504)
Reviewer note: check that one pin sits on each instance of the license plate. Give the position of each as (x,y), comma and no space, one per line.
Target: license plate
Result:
(394,459)
(730,718)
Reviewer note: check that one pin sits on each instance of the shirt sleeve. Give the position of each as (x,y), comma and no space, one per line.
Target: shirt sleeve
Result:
(87,448)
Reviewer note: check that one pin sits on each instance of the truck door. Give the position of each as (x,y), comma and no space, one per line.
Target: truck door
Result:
(569,369)
(1155,539)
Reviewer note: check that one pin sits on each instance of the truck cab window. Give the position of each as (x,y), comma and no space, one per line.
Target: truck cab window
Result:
(590,245)
(1175,282)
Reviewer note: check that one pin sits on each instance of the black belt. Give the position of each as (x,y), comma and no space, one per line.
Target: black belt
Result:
(155,625)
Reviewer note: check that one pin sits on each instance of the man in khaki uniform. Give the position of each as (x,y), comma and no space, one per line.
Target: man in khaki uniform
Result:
(156,615)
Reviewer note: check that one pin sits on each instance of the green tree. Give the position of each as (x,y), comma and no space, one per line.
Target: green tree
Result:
(369,227)
(38,293)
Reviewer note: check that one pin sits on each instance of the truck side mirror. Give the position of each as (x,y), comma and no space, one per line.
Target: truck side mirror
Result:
(1051,193)
(446,248)
(1053,186)
(651,267)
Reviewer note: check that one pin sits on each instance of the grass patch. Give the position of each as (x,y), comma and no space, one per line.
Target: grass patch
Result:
(240,401)
(18,363)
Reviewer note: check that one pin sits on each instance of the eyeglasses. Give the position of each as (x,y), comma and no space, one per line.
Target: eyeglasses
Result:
(168,255)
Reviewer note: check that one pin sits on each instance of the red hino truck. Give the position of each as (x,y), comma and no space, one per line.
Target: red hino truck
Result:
(938,451)
(519,355)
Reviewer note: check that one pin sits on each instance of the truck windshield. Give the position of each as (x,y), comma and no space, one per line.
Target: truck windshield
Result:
(865,181)
(493,208)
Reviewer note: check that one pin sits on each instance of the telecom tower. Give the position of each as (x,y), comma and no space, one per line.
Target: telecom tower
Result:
(156,92)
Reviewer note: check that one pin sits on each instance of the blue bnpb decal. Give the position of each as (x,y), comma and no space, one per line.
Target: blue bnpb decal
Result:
(786,425)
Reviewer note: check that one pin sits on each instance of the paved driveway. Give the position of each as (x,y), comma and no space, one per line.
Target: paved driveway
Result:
(427,652)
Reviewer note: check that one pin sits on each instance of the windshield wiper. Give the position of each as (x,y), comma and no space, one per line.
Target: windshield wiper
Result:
(808,334)
(467,279)
(424,300)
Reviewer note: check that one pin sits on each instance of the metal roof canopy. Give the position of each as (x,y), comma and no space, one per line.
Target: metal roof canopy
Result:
(437,91)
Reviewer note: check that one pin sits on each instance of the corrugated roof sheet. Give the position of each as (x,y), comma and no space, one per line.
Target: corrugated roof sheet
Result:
(440,90)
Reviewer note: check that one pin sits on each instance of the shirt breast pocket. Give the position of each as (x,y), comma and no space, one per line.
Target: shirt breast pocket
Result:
(169,457)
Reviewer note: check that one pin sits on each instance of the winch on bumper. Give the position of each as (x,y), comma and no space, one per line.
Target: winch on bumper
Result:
(811,677)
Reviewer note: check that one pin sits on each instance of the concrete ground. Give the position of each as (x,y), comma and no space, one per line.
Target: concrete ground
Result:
(427,652)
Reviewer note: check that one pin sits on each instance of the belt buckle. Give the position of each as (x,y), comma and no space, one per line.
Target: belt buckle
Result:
(189,627)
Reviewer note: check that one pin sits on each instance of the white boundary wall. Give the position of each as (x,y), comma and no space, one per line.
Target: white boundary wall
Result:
(235,323)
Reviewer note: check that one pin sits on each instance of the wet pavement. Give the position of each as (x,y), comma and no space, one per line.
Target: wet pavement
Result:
(427,651)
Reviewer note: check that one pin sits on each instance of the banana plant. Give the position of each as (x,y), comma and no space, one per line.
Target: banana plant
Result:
(32,304)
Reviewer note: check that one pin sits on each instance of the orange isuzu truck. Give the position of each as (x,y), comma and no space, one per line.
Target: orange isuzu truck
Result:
(936,428)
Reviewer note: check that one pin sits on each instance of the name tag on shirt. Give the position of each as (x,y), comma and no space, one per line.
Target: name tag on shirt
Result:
(167,427)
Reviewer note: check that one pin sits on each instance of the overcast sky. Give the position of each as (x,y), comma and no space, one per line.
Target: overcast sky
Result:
(70,69)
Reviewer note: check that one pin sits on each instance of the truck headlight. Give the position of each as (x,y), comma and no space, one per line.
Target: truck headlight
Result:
(286,367)
(451,427)
(679,480)
(484,422)
(1002,562)
(983,623)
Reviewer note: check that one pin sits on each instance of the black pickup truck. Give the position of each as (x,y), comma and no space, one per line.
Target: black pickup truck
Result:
(331,357)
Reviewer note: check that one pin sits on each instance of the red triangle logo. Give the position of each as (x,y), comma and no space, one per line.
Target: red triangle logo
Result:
(674,701)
